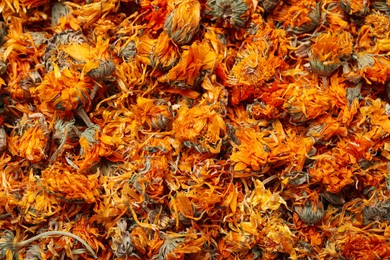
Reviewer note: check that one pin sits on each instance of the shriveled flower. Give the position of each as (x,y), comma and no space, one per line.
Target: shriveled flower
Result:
(63,91)
(379,25)
(311,212)
(195,61)
(64,182)
(231,13)
(329,50)
(379,211)
(30,139)
(165,53)
(122,244)
(183,22)
(253,66)
(200,127)
(154,114)
(303,17)
(358,8)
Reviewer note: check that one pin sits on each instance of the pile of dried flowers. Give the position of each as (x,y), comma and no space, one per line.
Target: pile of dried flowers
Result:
(195,129)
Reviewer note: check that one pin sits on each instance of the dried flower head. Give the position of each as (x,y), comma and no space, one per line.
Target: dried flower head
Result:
(378,212)
(310,212)
(201,126)
(62,181)
(254,66)
(165,53)
(183,22)
(231,13)
(30,139)
(122,244)
(329,50)
(379,25)
(358,8)
(303,17)
(64,91)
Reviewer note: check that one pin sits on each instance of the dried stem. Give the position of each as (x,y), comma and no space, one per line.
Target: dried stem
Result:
(54,233)
(83,115)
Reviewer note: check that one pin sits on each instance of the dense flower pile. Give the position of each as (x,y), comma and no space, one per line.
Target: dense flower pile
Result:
(194,129)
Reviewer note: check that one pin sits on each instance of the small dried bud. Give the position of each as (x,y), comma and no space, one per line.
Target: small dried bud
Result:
(105,69)
(337,199)
(233,13)
(309,213)
(128,51)
(378,212)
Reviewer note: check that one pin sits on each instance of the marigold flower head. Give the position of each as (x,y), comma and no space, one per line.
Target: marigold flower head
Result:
(30,139)
(165,53)
(379,25)
(231,13)
(201,126)
(64,91)
(65,183)
(183,22)
(328,50)
(358,8)
(255,65)
(303,17)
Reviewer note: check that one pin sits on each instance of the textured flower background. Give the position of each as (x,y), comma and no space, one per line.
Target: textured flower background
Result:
(194,129)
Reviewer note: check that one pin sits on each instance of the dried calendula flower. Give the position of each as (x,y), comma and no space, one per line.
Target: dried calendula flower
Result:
(64,91)
(358,8)
(254,65)
(165,53)
(122,244)
(380,211)
(231,13)
(329,50)
(303,17)
(64,182)
(30,138)
(379,25)
(183,22)
(200,127)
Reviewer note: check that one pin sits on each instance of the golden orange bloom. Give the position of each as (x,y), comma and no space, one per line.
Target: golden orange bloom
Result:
(183,22)
(195,60)
(64,91)
(328,50)
(30,140)
(65,183)
(200,127)
(358,8)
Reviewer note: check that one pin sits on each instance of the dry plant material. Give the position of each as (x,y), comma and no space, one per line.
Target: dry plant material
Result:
(213,129)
